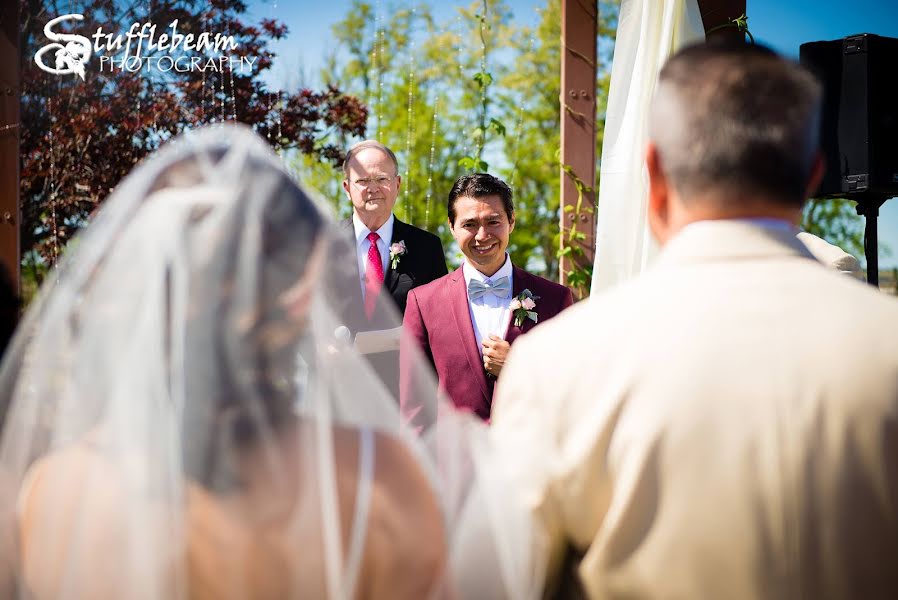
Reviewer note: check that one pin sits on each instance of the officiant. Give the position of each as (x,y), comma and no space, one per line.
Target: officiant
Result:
(391,257)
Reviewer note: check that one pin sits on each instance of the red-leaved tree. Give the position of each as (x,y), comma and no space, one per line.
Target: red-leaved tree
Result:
(80,137)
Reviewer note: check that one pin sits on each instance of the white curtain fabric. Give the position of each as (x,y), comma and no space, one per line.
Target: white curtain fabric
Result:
(648,32)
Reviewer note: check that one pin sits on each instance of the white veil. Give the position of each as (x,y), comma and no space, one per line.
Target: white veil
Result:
(181,417)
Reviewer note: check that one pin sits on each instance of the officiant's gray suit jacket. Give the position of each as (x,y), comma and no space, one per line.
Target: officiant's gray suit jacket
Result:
(724,426)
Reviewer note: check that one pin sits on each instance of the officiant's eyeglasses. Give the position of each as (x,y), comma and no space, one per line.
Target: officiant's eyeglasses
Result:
(381,182)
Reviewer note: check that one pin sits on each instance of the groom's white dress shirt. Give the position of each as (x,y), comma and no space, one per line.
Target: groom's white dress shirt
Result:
(489,313)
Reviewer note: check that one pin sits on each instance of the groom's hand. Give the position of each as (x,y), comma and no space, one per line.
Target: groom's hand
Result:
(495,349)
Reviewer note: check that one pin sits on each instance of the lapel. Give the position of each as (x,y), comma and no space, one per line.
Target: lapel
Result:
(520,280)
(458,299)
(391,277)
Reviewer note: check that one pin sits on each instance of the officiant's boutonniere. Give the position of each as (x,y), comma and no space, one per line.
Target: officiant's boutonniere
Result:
(522,307)
(397,249)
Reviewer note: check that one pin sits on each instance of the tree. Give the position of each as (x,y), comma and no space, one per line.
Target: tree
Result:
(80,136)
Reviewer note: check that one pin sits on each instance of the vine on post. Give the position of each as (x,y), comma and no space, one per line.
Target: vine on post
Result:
(572,243)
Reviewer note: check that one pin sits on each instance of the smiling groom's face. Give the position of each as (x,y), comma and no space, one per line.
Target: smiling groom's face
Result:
(482,229)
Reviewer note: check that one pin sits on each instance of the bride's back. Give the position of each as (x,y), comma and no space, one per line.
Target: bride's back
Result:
(258,541)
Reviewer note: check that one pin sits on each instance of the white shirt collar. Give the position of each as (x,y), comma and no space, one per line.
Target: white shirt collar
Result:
(504,271)
(361,232)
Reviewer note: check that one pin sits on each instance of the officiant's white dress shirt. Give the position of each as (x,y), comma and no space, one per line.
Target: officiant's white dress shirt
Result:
(362,244)
(489,314)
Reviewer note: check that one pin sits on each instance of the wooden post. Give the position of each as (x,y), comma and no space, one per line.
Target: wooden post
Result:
(10,214)
(721,12)
(579,22)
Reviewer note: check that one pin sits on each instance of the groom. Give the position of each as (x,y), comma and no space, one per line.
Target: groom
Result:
(465,322)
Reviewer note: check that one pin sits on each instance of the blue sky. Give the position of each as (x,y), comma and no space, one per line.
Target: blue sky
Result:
(781,24)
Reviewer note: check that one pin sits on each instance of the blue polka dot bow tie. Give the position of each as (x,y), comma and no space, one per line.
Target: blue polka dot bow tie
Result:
(499,288)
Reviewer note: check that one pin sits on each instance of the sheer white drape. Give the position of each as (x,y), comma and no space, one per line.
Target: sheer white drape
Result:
(648,32)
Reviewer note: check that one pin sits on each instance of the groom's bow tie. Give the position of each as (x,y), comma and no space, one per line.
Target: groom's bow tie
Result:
(499,288)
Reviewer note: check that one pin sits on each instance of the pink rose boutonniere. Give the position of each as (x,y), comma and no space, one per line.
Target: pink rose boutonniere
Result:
(522,307)
(397,249)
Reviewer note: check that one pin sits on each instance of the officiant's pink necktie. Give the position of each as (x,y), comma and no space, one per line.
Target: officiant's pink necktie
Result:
(374,275)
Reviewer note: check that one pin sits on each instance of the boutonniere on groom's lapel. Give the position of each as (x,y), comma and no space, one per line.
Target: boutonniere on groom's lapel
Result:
(522,307)
(397,249)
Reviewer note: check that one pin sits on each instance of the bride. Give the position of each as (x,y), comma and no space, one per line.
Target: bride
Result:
(180,419)
(184,416)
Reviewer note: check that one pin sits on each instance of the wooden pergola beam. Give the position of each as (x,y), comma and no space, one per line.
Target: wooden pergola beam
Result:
(720,12)
(10,214)
(579,22)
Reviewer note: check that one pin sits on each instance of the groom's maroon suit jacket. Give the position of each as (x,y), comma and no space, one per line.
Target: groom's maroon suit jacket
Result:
(438,320)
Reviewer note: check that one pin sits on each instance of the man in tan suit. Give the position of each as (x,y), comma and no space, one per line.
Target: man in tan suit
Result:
(726,425)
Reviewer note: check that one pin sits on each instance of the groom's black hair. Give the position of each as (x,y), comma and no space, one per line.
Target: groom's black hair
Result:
(480,185)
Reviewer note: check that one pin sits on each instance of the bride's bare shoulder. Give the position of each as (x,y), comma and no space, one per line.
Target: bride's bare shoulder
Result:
(73,502)
(405,546)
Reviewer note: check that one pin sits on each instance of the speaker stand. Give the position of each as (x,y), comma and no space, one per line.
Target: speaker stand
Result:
(868,207)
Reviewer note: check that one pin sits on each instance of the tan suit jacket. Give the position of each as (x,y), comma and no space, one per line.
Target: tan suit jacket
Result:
(725,426)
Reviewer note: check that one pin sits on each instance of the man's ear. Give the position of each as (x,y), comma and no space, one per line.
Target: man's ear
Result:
(659,195)
(346,188)
(817,171)
(511,223)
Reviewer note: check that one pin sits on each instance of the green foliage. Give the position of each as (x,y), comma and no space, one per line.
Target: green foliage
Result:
(483,80)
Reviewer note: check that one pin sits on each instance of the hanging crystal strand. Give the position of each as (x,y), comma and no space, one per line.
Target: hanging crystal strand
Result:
(203,86)
(380,76)
(138,116)
(280,111)
(54,233)
(461,77)
(213,116)
(233,91)
(520,123)
(221,91)
(269,126)
(374,65)
(410,114)
(149,84)
(433,137)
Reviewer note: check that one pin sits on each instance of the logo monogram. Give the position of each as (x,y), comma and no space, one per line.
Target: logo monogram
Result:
(70,57)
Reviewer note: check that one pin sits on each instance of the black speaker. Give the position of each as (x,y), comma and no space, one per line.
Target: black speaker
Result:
(859,132)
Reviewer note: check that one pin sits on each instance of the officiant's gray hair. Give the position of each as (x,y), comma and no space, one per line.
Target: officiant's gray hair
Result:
(736,119)
(363,145)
